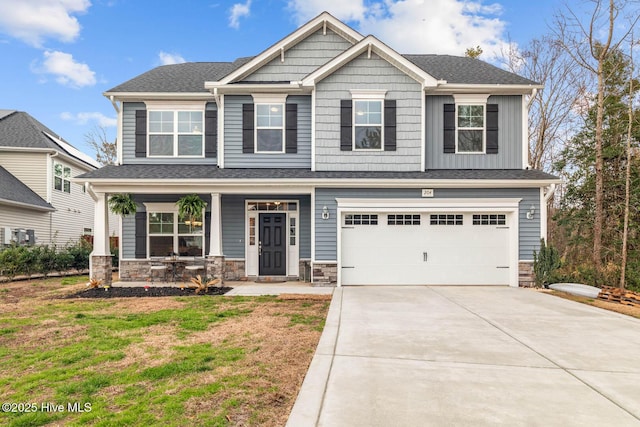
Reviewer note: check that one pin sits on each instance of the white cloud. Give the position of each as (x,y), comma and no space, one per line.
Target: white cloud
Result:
(170,58)
(238,11)
(34,20)
(418,26)
(68,72)
(86,117)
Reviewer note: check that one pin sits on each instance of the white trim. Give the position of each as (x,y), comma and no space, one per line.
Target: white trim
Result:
(368,94)
(317,23)
(221,112)
(423,140)
(313,129)
(468,98)
(281,128)
(445,88)
(269,98)
(472,100)
(26,205)
(176,105)
(148,96)
(379,48)
(175,133)
(369,97)
(525,133)
(119,142)
(506,205)
(172,208)
(313,227)
(215,224)
(543,215)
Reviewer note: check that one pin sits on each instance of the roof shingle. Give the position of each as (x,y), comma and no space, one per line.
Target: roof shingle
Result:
(13,190)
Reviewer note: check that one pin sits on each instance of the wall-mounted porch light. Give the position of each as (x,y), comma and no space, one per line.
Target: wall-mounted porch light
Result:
(532,211)
(325,212)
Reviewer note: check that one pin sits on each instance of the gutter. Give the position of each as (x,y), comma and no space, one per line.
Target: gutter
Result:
(28,205)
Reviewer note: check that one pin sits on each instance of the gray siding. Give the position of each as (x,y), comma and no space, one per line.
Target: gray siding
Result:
(235,158)
(233,223)
(129,139)
(509,137)
(302,59)
(326,238)
(373,73)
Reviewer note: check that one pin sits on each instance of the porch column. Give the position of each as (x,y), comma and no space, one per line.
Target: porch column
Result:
(100,262)
(215,237)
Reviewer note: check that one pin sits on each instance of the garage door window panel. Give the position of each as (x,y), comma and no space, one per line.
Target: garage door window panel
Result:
(403,219)
(489,219)
(361,219)
(446,219)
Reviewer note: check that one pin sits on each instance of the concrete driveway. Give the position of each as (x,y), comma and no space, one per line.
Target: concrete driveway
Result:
(470,356)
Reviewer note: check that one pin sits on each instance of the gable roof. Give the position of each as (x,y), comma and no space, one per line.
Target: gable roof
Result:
(15,192)
(19,130)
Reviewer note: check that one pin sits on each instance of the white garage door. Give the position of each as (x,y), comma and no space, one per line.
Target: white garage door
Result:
(425,248)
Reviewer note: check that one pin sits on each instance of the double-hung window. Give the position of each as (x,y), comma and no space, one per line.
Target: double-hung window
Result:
(470,123)
(169,233)
(62,177)
(367,124)
(269,128)
(176,134)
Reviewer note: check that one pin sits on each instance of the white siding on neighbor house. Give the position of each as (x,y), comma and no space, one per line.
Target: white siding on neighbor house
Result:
(302,59)
(235,158)
(74,211)
(509,154)
(368,74)
(18,217)
(30,168)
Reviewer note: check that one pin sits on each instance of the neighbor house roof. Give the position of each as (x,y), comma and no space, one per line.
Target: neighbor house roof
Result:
(204,172)
(190,77)
(15,192)
(19,130)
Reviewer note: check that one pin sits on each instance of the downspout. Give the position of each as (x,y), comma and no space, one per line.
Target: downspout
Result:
(119,133)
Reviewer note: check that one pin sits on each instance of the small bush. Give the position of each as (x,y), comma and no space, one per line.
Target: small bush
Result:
(545,264)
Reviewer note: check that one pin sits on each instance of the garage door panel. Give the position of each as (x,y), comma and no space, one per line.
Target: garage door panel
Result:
(425,254)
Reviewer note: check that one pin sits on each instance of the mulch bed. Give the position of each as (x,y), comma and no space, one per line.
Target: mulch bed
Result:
(141,292)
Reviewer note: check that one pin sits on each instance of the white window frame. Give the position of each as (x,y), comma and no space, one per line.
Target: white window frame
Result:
(62,177)
(367,96)
(256,128)
(172,209)
(472,100)
(154,108)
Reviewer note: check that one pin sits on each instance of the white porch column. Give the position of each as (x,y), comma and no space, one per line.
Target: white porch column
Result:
(101,226)
(215,236)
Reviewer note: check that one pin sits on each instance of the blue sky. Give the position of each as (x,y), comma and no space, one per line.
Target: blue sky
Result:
(59,56)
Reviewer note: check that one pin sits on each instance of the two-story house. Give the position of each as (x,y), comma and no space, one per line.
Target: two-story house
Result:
(38,202)
(330,150)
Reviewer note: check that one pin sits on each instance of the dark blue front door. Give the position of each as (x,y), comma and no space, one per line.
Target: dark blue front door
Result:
(272,244)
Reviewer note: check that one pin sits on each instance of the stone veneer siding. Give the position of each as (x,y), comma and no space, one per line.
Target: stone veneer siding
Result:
(101,268)
(234,270)
(325,274)
(134,271)
(526,276)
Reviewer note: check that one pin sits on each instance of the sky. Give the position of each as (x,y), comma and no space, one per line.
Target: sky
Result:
(60,56)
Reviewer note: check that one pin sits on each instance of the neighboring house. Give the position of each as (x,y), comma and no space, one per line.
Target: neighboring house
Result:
(38,202)
(330,150)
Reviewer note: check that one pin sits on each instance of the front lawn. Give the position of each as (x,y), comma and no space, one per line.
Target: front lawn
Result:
(170,361)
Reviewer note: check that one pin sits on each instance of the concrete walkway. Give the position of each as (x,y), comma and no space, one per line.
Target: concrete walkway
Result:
(470,356)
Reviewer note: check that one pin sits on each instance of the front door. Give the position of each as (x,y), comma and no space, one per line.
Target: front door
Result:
(272,246)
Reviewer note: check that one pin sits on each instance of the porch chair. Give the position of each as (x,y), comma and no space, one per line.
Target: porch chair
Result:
(191,269)
(160,268)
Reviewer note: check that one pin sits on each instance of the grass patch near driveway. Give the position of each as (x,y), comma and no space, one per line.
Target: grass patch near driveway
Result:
(607,305)
(152,361)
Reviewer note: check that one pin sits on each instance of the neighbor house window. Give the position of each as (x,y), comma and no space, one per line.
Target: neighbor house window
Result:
(269,128)
(168,236)
(367,124)
(176,134)
(62,177)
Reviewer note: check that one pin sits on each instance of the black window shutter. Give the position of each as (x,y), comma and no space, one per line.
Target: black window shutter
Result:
(449,128)
(207,233)
(492,128)
(141,234)
(291,135)
(346,118)
(210,133)
(247,128)
(141,133)
(390,125)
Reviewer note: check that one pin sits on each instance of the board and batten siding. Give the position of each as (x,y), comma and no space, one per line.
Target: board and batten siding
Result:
(234,223)
(325,232)
(364,73)
(30,168)
(235,158)
(509,154)
(302,59)
(129,139)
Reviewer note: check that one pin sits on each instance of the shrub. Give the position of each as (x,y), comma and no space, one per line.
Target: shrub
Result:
(545,263)
(10,262)
(47,260)
(80,252)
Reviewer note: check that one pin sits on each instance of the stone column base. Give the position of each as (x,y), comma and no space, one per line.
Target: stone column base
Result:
(101,268)
(526,276)
(215,267)
(325,274)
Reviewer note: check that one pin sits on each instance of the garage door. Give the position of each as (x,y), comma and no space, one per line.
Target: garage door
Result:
(427,248)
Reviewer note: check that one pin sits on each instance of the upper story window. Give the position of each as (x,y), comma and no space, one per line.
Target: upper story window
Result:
(62,177)
(470,128)
(176,134)
(367,124)
(269,128)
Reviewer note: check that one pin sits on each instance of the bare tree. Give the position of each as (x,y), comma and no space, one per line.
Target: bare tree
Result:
(106,152)
(553,109)
(585,46)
